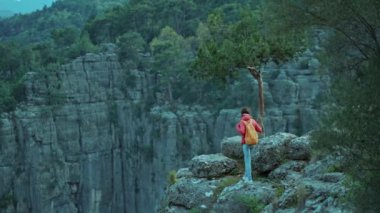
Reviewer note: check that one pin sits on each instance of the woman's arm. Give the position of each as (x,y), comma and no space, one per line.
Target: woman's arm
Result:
(257,126)
(240,127)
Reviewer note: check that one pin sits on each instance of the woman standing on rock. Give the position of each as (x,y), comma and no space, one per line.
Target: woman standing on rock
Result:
(241,127)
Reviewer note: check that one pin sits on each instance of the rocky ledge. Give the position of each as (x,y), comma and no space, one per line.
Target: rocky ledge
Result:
(286,179)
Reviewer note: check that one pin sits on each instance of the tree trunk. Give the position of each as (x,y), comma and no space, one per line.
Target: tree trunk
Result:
(170,93)
(257,75)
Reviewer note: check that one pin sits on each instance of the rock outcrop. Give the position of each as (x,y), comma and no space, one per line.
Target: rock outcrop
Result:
(286,179)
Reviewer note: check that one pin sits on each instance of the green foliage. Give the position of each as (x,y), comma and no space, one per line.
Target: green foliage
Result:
(68,44)
(352,25)
(64,36)
(45,54)
(169,51)
(71,28)
(237,44)
(14,60)
(351,129)
(11,92)
(254,204)
(82,46)
(128,79)
(108,26)
(170,59)
(280,190)
(351,51)
(36,41)
(181,15)
(335,168)
(7,102)
(6,200)
(196,210)
(131,46)
(236,171)
(164,25)
(37,26)
(43,37)
(172,177)
(149,17)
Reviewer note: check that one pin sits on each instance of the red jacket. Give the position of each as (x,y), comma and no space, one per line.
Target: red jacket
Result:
(240,127)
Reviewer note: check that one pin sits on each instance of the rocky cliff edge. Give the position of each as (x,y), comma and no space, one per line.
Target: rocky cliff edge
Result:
(286,178)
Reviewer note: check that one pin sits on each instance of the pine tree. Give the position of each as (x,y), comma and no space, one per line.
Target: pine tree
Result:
(238,41)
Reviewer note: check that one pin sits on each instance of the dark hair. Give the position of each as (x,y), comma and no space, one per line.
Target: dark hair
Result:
(245,110)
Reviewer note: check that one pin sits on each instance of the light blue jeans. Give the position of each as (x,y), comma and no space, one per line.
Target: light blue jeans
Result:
(247,162)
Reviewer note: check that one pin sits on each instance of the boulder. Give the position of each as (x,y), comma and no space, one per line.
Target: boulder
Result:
(270,152)
(192,193)
(308,194)
(243,197)
(175,209)
(232,148)
(213,165)
(331,177)
(325,165)
(321,195)
(288,199)
(299,148)
(184,172)
(285,170)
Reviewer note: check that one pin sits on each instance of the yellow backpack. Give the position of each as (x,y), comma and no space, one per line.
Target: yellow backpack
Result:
(250,137)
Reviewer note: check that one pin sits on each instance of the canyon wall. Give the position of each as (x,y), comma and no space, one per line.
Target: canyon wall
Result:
(88,137)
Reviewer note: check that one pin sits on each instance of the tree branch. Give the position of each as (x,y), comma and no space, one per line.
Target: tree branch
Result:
(321,21)
(369,28)
(353,41)
(255,73)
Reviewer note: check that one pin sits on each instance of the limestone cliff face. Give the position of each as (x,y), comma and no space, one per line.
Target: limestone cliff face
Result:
(86,142)
(292,93)
(88,139)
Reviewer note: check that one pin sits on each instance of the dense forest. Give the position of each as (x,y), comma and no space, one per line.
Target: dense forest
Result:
(44,39)
(196,41)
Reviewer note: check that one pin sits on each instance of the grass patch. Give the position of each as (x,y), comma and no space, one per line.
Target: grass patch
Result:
(195,210)
(172,177)
(227,181)
(302,192)
(252,202)
(334,168)
(280,189)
